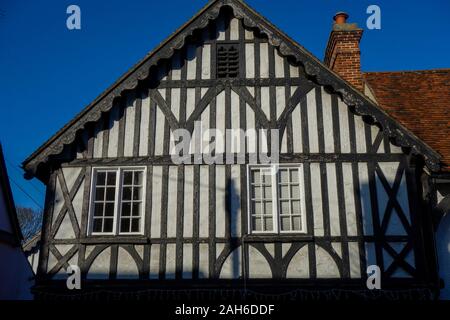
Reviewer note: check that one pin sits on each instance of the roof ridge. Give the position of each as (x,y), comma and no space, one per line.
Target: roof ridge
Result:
(408,71)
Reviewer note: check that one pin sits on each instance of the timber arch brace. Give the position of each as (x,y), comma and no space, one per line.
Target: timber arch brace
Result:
(314,70)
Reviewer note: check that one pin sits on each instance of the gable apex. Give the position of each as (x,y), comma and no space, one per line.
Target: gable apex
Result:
(312,66)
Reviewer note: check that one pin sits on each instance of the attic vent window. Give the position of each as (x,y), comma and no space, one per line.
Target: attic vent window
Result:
(227,61)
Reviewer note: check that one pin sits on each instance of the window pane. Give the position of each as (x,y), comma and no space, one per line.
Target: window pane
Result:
(111,178)
(256,177)
(257,224)
(126,193)
(256,207)
(284,192)
(108,225)
(135,225)
(268,223)
(109,209)
(297,223)
(137,209)
(284,207)
(110,193)
(137,193)
(294,175)
(268,208)
(268,192)
(286,223)
(295,191)
(267,176)
(99,194)
(137,178)
(125,225)
(128,178)
(97,225)
(101,178)
(256,193)
(284,175)
(126,209)
(295,207)
(98,210)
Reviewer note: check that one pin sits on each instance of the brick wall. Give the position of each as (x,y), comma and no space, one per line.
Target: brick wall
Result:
(343,54)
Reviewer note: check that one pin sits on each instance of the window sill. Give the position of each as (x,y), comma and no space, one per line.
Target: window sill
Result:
(278,237)
(109,239)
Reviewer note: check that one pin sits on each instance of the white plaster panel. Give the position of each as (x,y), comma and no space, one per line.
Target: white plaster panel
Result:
(325,265)
(188,211)
(264,59)
(235,207)
(130,120)
(206,61)
(349,197)
(365,198)
(299,265)
(250,60)
(191,62)
(353,253)
(113,139)
(126,266)
(187,261)
(258,266)
(220,201)
(328,125)
(316,194)
(234,29)
(170,261)
(100,266)
(231,268)
(156,202)
(172,202)
(333,199)
(203,267)
(144,126)
(154,261)
(312,122)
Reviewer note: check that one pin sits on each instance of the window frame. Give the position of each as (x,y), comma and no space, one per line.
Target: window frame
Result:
(276,217)
(117,202)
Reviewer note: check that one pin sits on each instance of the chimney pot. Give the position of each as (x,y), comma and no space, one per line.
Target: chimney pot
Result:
(340,17)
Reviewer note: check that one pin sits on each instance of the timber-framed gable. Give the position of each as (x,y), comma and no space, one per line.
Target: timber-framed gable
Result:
(360,172)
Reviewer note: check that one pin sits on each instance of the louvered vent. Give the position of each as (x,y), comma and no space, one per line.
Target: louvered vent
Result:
(227,61)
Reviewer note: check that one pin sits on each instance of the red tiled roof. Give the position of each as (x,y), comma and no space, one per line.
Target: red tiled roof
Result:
(420,100)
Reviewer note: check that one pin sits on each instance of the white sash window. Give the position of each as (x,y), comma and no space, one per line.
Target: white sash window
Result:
(276,199)
(117,202)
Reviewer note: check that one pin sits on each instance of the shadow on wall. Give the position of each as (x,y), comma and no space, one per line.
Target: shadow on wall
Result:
(232,204)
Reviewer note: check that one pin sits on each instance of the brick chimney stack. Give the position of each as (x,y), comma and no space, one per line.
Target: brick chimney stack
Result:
(343,55)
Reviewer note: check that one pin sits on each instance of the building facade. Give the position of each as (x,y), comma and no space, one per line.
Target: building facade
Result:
(345,193)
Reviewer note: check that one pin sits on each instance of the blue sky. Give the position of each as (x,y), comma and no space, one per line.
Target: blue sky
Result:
(48,73)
